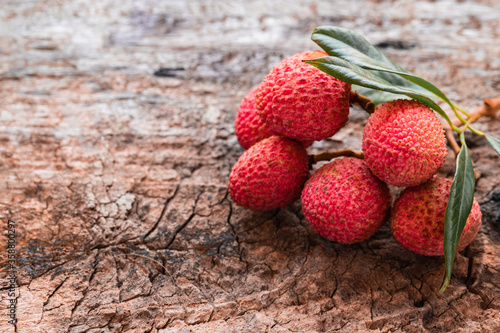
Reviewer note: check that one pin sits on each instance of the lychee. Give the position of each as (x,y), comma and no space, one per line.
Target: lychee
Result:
(301,102)
(248,125)
(404,143)
(270,174)
(344,202)
(417,218)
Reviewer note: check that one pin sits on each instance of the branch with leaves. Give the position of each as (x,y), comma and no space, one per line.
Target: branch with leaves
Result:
(377,79)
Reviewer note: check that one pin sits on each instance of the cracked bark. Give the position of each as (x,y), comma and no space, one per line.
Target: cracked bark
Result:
(116,176)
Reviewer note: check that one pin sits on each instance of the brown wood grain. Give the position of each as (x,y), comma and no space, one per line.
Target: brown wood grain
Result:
(117,139)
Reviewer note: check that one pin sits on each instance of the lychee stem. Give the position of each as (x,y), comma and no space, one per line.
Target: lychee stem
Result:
(462,110)
(451,140)
(492,106)
(458,118)
(364,102)
(489,108)
(329,155)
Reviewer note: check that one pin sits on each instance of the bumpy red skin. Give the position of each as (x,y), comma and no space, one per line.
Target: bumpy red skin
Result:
(270,174)
(404,143)
(299,101)
(344,202)
(417,218)
(248,125)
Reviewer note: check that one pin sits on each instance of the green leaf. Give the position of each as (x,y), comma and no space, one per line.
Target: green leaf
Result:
(354,48)
(351,73)
(345,43)
(379,97)
(458,209)
(494,142)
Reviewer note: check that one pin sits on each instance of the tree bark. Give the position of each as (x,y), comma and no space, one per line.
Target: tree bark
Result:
(117,140)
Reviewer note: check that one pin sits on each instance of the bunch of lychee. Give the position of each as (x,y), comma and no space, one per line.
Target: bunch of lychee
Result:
(348,199)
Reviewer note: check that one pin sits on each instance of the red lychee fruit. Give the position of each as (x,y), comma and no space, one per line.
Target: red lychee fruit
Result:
(248,125)
(344,202)
(301,102)
(417,218)
(404,143)
(270,174)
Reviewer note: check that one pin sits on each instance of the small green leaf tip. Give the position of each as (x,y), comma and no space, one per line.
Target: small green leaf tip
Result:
(445,284)
(494,142)
(458,208)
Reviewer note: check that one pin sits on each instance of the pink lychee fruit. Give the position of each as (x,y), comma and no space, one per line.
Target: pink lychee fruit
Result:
(417,218)
(404,143)
(344,202)
(248,124)
(270,174)
(301,102)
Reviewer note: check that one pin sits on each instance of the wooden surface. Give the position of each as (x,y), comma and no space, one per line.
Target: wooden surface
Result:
(117,139)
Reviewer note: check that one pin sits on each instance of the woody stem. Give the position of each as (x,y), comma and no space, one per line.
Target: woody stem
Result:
(364,102)
(329,155)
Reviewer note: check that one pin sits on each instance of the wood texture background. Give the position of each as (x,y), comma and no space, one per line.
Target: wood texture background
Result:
(117,139)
